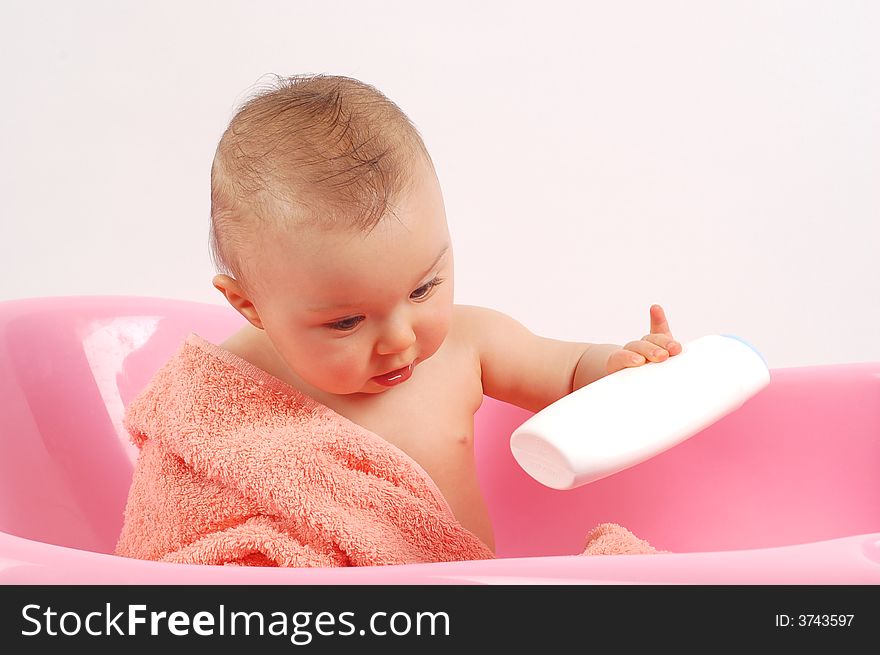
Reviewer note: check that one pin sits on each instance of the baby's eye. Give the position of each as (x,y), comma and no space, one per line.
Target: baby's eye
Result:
(346,324)
(425,289)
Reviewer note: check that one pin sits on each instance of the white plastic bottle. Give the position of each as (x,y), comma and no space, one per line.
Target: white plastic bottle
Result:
(631,415)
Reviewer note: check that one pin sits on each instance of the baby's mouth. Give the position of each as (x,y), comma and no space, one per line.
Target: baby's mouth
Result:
(392,378)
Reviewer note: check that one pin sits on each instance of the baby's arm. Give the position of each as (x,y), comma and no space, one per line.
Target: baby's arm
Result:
(524,369)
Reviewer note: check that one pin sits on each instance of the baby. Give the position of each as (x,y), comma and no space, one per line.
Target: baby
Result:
(329,231)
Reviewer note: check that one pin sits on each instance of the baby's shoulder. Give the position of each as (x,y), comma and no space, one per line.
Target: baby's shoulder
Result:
(474,320)
(472,325)
(489,332)
(466,320)
(464,328)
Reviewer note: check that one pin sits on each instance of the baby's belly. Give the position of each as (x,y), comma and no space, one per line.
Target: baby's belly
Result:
(473,515)
(455,475)
(445,450)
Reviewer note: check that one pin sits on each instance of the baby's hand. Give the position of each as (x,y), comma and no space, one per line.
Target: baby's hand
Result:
(656,346)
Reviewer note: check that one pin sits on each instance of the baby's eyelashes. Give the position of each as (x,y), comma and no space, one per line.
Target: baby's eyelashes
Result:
(346,324)
(425,289)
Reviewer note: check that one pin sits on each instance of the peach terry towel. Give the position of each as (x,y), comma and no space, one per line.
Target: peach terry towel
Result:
(236,467)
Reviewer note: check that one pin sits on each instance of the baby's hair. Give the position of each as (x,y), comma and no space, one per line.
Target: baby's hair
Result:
(319,150)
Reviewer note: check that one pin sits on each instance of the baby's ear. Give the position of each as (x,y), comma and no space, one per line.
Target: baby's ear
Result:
(231,290)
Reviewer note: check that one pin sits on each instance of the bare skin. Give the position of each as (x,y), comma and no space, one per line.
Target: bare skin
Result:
(334,310)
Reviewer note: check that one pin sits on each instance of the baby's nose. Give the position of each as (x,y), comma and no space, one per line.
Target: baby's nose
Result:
(397,337)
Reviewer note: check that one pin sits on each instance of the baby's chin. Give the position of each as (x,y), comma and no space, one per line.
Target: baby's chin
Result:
(370,387)
(375,389)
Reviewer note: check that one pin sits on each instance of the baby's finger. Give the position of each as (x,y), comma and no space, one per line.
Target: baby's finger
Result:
(621,359)
(659,324)
(667,342)
(648,350)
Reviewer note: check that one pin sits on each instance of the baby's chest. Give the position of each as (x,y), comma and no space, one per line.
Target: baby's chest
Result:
(439,426)
(430,425)
(431,420)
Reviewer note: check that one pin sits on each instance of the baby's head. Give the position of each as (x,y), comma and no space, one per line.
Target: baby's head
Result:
(329,233)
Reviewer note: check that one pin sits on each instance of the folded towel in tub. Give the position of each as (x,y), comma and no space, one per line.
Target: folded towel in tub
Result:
(236,467)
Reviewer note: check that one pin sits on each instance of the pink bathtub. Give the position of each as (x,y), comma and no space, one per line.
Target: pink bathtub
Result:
(784,491)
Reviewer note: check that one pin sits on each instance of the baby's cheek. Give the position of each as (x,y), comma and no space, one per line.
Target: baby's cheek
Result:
(433,333)
(348,367)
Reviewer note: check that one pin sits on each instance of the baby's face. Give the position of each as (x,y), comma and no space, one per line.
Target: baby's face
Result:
(343,309)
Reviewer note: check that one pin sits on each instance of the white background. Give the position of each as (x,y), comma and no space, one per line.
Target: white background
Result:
(719,158)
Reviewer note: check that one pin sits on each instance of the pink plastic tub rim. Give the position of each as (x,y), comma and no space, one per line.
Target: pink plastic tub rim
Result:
(783,491)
